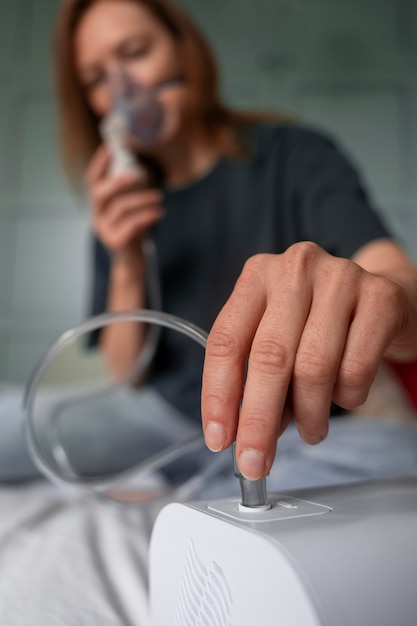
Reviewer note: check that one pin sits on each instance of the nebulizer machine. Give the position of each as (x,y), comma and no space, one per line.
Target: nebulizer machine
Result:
(325,556)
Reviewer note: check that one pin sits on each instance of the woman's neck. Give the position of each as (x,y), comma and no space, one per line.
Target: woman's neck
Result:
(186,161)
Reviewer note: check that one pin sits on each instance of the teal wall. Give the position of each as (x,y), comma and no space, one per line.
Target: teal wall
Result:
(349,67)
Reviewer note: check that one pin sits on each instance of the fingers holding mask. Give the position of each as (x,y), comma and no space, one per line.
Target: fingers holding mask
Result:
(141,206)
(98,166)
(122,210)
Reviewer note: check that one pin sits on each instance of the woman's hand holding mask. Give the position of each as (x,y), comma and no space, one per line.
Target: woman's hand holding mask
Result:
(122,210)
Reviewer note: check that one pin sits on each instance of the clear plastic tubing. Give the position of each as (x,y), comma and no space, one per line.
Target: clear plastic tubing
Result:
(104,483)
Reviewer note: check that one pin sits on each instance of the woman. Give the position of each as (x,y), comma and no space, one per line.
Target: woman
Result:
(262,230)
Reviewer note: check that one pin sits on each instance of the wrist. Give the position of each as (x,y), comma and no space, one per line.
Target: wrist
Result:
(128,266)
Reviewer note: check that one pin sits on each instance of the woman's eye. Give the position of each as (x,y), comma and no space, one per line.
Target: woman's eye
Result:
(134,49)
(134,53)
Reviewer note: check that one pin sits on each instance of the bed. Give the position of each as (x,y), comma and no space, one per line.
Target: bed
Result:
(70,557)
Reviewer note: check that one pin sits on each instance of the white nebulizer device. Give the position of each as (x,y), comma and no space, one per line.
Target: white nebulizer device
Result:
(113,130)
(326,556)
(136,116)
(331,556)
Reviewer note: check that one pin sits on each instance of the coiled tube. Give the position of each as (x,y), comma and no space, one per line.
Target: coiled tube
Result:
(60,471)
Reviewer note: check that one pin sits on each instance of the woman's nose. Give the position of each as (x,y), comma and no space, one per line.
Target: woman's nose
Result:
(120,85)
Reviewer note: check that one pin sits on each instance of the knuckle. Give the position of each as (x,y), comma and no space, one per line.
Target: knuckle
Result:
(396,293)
(356,374)
(313,368)
(354,380)
(256,421)
(379,288)
(384,294)
(388,299)
(270,356)
(309,259)
(254,263)
(259,264)
(298,261)
(351,399)
(258,427)
(341,276)
(301,253)
(222,343)
(304,248)
(345,272)
(253,270)
(396,297)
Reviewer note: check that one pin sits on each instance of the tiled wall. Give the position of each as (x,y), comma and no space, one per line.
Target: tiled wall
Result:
(42,228)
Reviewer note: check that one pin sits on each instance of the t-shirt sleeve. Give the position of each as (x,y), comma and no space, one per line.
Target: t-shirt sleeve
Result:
(329,197)
(99,286)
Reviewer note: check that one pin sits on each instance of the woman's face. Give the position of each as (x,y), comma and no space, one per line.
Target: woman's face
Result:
(121,35)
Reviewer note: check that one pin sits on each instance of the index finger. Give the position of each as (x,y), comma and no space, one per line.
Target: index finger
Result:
(228,346)
(270,371)
(265,325)
(98,165)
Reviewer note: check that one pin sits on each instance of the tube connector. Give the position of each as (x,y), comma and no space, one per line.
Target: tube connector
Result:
(253,492)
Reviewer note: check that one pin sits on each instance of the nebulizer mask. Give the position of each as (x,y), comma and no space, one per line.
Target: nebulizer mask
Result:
(136,118)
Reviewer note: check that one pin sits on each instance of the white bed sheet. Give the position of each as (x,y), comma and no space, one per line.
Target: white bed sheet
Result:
(72,560)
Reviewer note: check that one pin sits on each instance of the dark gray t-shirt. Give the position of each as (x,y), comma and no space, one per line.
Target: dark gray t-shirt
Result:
(295,186)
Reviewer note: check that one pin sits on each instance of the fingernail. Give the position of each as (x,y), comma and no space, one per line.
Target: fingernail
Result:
(215,436)
(313,439)
(252,464)
(316,439)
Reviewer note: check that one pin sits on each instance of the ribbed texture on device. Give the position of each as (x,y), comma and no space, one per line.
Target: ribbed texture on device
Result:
(204,598)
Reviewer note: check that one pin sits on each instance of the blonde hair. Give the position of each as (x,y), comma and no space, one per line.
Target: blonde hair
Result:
(78,125)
